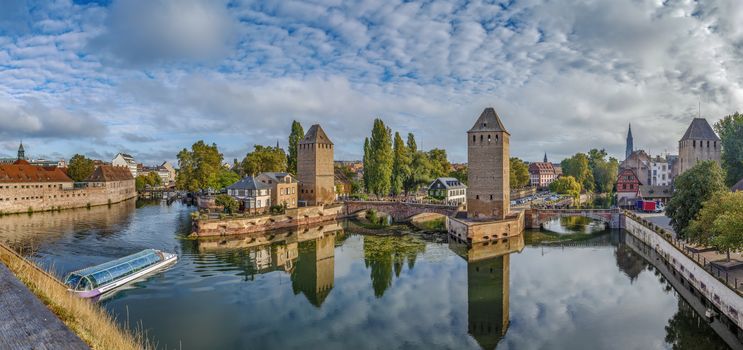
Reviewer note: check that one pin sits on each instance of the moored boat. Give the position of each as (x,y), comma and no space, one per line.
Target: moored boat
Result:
(96,280)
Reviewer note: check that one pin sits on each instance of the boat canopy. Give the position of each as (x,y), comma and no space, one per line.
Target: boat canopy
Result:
(95,276)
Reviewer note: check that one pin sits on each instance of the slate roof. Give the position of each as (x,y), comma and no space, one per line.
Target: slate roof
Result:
(448,183)
(278,176)
(489,121)
(106,173)
(22,171)
(657,191)
(738,187)
(700,130)
(316,135)
(249,183)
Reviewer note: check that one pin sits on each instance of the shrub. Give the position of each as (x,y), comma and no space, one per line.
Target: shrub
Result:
(277,209)
(229,204)
(30,210)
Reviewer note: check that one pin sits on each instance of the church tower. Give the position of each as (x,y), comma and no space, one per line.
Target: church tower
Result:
(315,170)
(21,152)
(630,146)
(488,195)
(545,157)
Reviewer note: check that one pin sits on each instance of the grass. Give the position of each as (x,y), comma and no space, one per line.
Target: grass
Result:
(86,319)
(537,237)
(435,225)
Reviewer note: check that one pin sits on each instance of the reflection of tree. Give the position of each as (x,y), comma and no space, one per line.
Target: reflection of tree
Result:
(687,330)
(575,223)
(387,254)
(629,262)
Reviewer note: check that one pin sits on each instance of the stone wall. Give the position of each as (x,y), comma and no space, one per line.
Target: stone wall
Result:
(42,196)
(693,151)
(485,231)
(488,194)
(400,211)
(315,173)
(293,218)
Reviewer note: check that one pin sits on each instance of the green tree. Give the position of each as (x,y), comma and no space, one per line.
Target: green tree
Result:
(460,174)
(226,177)
(519,173)
(578,166)
(566,185)
(264,159)
(692,188)
(140,182)
(719,222)
(80,167)
(412,145)
(199,167)
(230,204)
(296,135)
(380,159)
(730,130)
(400,165)
(367,162)
(440,166)
(420,172)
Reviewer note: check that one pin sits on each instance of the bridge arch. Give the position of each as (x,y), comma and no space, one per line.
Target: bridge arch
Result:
(399,211)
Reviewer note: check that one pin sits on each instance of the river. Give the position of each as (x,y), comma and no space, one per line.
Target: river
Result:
(331,288)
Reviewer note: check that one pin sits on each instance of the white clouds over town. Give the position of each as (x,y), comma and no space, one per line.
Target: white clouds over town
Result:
(151,77)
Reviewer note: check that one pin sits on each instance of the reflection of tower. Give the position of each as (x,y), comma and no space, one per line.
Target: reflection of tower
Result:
(487,294)
(315,270)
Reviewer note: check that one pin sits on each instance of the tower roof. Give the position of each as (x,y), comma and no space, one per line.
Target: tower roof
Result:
(316,135)
(489,121)
(700,130)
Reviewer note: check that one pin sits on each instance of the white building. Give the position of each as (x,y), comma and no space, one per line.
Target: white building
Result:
(254,195)
(451,190)
(660,172)
(125,160)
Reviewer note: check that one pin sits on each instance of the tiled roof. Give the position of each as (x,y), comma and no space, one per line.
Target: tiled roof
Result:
(700,130)
(22,171)
(542,168)
(248,183)
(106,173)
(316,135)
(488,121)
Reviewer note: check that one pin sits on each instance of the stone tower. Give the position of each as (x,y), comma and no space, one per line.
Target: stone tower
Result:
(488,195)
(315,167)
(630,146)
(699,143)
(21,152)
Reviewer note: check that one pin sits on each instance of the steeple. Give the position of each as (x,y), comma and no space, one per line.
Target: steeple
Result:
(277,144)
(630,146)
(21,152)
(545,157)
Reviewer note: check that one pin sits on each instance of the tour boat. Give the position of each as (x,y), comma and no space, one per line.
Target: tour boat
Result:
(97,280)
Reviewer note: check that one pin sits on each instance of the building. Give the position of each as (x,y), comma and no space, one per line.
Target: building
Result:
(488,168)
(170,169)
(283,188)
(165,175)
(125,160)
(628,187)
(641,164)
(656,193)
(117,182)
(254,196)
(630,143)
(449,189)
(699,143)
(541,174)
(315,170)
(660,172)
(343,185)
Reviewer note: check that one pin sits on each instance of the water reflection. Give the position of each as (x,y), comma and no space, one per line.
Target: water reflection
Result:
(573,225)
(384,255)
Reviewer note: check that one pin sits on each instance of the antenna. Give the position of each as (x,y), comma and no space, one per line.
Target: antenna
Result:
(699,115)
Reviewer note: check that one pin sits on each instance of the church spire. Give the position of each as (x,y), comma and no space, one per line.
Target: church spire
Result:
(630,146)
(545,157)
(21,152)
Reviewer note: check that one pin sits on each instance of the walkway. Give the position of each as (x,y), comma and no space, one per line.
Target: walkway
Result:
(26,323)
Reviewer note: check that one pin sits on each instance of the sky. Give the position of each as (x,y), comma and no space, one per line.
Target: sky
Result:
(150,77)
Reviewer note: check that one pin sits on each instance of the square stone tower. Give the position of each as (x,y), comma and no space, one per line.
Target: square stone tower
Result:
(699,143)
(315,167)
(488,194)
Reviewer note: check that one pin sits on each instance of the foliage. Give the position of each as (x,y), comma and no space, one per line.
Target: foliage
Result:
(420,172)
(730,130)
(366,161)
(440,166)
(277,209)
(578,167)
(230,204)
(566,185)
(604,171)
(379,167)
(388,255)
(692,189)
(226,177)
(719,222)
(263,159)
(199,167)
(142,181)
(460,174)
(80,168)
(400,165)
(296,135)
(519,173)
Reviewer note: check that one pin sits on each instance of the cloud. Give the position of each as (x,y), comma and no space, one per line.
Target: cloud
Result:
(31,118)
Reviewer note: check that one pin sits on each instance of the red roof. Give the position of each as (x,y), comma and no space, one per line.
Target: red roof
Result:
(106,173)
(22,171)
(542,168)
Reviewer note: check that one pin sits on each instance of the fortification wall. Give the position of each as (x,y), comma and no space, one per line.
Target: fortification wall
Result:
(293,218)
(25,197)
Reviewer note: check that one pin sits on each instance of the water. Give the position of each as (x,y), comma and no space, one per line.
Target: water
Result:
(329,288)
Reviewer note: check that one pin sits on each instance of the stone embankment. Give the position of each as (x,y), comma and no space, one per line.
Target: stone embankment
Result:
(293,218)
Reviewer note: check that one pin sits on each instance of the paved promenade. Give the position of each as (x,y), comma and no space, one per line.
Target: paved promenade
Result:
(26,323)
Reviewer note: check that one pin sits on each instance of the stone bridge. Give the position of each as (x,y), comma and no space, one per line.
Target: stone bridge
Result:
(400,211)
(535,217)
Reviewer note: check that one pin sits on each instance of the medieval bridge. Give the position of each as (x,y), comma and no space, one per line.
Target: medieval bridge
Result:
(399,211)
(535,217)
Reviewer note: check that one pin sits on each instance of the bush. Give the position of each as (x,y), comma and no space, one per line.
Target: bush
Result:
(277,209)
(229,204)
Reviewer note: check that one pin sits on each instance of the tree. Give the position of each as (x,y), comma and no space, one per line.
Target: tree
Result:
(264,159)
(692,188)
(440,166)
(730,130)
(296,135)
(140,182)
(199,167)
(566,185)
(80,167)
(226,177)
(578,166)
(519,173)
(153,179)
(412,145)
(460,174)
(366,161)
(230,204)
(400,165)
(719,222)
(380,159)
(604,172)
(420,172)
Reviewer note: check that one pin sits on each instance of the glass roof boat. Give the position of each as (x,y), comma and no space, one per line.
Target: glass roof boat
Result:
(96,280)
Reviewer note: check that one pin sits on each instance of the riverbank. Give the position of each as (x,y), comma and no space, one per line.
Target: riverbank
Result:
(87,320)
(243,225)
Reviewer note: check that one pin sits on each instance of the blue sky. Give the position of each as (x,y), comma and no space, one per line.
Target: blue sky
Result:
(150,77)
